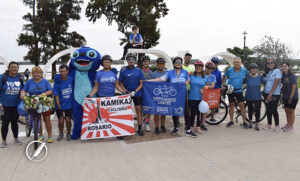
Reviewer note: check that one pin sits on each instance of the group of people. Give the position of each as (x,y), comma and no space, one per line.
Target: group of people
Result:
(130,81)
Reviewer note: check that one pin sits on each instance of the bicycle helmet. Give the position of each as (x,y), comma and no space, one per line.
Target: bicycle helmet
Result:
(215,60)
(177,58)
(209,65)
(145,57)
(130,55)
(162,60)
(107,57)
(253,65)
(199,62)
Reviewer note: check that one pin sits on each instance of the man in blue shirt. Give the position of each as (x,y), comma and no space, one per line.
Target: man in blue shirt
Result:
(131,80)
(236,76)
(62,90)
(217,72)
(135,41)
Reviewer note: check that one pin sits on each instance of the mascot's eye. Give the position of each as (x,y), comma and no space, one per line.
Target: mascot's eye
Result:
(91,54)
(75,54)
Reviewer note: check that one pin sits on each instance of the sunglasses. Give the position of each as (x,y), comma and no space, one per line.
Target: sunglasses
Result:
(209,68)
(160,63)
(131,59)
(270,63)
(178,62)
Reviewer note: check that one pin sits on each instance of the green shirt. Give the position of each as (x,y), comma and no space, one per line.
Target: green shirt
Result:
(190,69)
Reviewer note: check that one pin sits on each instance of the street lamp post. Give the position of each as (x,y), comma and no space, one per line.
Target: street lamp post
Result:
(244,50)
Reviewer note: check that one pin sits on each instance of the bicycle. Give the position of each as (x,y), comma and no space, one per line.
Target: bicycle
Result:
(35,105)
(220,113)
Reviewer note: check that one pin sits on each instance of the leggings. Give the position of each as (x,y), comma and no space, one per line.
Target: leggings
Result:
(257,106)
(272,109)
(10,115)
(194,111)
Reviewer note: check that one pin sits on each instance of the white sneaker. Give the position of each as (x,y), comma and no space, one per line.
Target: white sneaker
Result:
(147,127)
(3,144)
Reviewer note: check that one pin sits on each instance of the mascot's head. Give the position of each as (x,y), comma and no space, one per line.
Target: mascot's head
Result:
(85,59)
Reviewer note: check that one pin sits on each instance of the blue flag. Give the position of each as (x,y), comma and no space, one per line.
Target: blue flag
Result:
(164,98)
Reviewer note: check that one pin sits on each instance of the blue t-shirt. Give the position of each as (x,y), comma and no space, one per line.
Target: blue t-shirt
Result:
(287,82)
(107,83)
(36,88)
(270,80)
(211,79)
(197,83)
(64,89)
(157,74)
(253,92)
(174,78)
(138,38)
(147,74)
(131,77)
(236,79)
(218,75)
(10,91)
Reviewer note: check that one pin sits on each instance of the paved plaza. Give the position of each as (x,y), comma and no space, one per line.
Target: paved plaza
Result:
(229,154)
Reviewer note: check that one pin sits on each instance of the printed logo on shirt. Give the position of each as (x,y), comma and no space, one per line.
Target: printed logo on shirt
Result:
(13,88)
(66,93)
(130,74)
(108,79)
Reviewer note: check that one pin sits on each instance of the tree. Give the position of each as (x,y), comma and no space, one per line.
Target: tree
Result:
(127,13)
(242,54)
(273,48)
(47,31)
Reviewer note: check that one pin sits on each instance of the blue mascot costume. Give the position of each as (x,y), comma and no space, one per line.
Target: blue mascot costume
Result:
(83,68)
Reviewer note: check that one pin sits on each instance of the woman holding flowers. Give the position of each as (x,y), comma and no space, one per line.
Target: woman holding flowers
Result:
(40,87)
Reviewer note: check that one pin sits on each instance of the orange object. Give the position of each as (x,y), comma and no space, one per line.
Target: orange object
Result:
(212,97)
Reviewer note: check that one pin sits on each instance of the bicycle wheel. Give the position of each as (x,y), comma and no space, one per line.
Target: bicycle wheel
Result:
(263,111)
(219,114)
(36,130)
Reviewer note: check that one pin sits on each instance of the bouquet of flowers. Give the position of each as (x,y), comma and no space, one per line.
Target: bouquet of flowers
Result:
(40,103)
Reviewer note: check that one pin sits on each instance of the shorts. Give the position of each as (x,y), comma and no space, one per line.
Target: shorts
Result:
(47,113)
(290,106)
(137,101)
(67,113)
(238,95)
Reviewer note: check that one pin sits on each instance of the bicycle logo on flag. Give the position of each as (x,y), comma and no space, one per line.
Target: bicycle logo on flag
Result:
(165,90)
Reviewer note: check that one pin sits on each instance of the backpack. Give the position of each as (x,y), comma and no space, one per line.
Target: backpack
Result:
(5,77)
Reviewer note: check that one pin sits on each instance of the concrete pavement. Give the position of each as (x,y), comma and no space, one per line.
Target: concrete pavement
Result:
(230,154)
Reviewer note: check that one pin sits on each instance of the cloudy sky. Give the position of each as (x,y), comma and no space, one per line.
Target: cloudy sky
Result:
(202,27)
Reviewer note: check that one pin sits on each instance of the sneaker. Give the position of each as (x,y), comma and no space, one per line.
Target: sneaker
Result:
(50,140)
(163,129)
(17,142)
(199,131)
(250,126)
(213,120)
(175,130)
(284,126)
(268,126)
(140,132)
(288,129)
(190,133)
(231,123)
(147,127)
(203,127)
(157,131)
(60,137)
(276,128)
(68,136)
(245,125)
(256,127)
(3,144)
(41,138)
